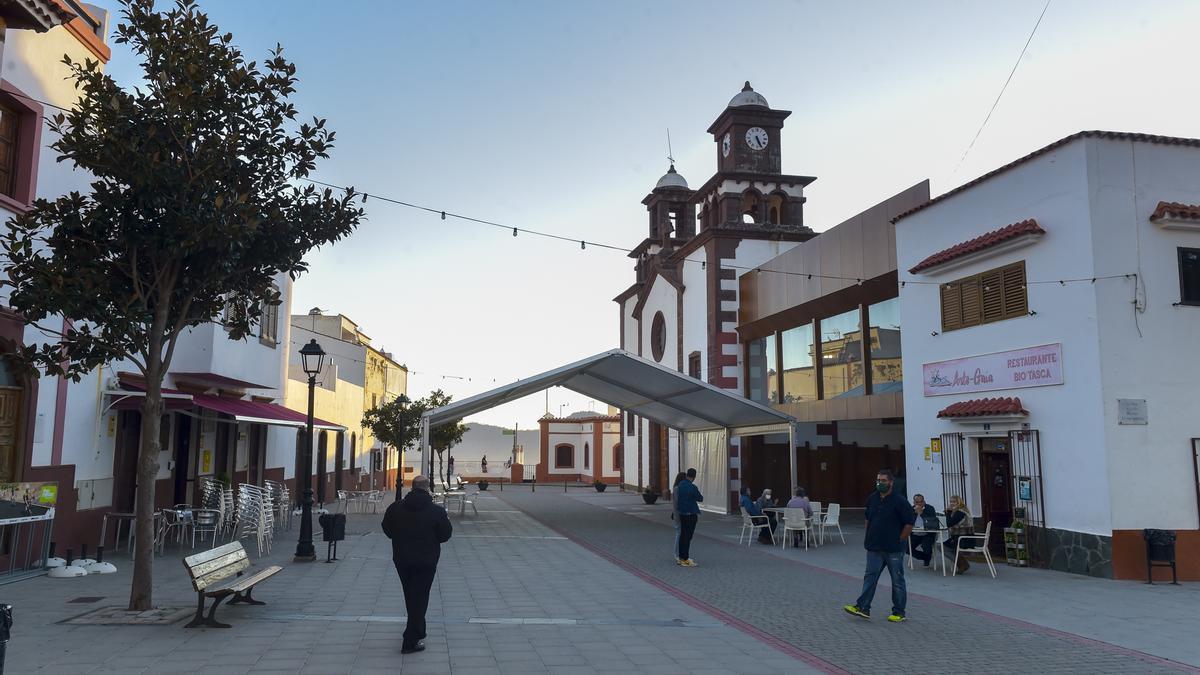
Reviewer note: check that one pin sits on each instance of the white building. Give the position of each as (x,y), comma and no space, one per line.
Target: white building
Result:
(1051,311)
(681,310)
(581,447)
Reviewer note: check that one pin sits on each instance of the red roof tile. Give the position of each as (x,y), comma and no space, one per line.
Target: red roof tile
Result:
(1176,210)
(984,407)
(1108,135)
(979,243)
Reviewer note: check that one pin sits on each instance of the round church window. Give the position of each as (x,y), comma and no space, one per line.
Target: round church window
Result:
(658,336)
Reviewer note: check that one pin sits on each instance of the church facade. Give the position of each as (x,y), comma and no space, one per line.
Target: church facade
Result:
(682,308)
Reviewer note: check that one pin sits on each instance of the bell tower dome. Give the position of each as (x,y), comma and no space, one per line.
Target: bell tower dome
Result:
(672,215)
(747,134)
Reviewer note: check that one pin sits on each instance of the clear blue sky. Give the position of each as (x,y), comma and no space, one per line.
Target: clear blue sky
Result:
(552,116)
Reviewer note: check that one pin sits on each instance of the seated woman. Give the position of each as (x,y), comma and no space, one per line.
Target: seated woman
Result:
(752,508)
(960,523)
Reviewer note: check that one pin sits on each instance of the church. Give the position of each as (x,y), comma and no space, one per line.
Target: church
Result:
(682,308)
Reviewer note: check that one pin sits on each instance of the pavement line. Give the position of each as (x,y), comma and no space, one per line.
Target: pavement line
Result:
(506,620)
(719,614)
(506,536)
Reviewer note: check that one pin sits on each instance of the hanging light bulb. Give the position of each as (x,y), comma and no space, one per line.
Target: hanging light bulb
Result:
(582,245)
(443,215)
(514,231)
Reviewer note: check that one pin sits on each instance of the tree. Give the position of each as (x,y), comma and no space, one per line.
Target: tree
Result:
(195,208)
(398,423)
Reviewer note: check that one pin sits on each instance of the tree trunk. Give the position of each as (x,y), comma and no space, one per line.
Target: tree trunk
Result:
(140,593)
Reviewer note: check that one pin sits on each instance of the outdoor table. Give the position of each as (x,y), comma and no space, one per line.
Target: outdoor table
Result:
(121,518)
(815,539)
(939,546)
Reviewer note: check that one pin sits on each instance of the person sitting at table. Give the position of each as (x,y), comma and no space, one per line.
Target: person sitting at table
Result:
(751,508)
(800,501)
(922,544)
(959,520)
(766,501)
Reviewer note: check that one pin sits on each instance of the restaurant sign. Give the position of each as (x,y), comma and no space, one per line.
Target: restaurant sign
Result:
(1016,369)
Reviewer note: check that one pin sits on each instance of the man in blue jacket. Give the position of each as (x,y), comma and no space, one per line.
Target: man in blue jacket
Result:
(890,521)
(688,498)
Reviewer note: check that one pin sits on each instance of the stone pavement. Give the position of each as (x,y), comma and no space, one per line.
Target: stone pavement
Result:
(1025,621)
(511,596)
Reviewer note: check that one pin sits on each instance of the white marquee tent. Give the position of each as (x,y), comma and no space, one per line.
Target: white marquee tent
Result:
(705,416)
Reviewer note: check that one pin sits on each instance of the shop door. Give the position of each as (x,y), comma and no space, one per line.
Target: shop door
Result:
(338,458)
(183,448)
(129,434)
(256,460)
(11,404)
(995,464)
(322,461)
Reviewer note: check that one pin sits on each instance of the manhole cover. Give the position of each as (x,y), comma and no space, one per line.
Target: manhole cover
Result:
(120,616)
(86,599)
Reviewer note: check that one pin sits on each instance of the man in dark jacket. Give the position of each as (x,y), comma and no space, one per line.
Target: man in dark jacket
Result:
(890,520)
(687,502)
(417,528)
(927,519)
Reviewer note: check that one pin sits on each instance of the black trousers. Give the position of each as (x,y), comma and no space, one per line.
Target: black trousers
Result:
(922,546)
(416,580)
(687,529)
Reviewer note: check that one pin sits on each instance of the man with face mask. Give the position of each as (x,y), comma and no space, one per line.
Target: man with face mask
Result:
(890,520)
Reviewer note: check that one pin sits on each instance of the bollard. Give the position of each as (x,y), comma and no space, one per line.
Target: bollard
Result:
(533,485)
(564,486)
(5,630)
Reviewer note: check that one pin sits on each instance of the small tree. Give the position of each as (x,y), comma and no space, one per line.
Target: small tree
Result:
(399,424)
(446,436)
(194,210)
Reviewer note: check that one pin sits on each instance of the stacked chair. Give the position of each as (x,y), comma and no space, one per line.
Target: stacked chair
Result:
(256,516)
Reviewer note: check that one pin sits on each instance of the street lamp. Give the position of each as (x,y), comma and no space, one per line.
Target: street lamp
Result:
(311,358)
(403,400)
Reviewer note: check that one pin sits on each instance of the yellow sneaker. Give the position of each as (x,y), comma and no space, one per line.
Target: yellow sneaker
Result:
(853,609)
(896,618)
(691,563)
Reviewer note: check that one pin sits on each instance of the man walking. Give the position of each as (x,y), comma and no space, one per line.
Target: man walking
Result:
(687,502)
(889,522)
(417,528)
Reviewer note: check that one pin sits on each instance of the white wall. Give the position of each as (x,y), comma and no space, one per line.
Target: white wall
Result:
(695,311)
(1150,356)
(1053,190)
(662,298)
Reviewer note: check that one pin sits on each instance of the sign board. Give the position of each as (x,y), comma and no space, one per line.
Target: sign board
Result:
(928,454)
(1024,488)
(1132,411)
(1017,369)
(40,493)
(206,462)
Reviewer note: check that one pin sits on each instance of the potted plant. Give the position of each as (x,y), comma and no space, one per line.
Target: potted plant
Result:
(600,487)
(650,495)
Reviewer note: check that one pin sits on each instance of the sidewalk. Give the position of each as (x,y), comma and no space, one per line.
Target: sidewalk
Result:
(511,596)
(1046,620)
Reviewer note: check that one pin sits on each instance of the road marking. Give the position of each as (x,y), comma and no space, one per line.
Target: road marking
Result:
(506,536)
(502,620)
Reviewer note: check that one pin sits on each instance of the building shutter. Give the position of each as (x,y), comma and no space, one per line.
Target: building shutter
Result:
(1015,297)
(951,307)
(993,295)
(972,301)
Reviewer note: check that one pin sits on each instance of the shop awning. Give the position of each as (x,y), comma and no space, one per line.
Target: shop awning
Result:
(259,412)
(990,408)
(129,399)
(634,384)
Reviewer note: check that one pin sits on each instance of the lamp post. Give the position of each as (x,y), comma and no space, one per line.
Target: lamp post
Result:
(311,357)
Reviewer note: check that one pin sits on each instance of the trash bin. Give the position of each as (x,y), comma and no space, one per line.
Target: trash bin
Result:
(333,530)
(1160,552)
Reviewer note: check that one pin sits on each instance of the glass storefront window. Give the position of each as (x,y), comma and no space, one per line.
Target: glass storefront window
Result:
(764,376)
(841,355)
(886,372)
(799,373)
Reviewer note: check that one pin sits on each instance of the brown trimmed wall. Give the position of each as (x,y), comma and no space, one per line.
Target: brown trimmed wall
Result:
(1129,556)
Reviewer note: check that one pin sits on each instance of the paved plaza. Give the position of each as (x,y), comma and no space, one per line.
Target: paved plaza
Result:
(581,582)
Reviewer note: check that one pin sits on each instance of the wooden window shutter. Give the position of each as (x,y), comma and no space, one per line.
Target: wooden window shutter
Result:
(1016,301)
(992,283)
(951,307)
(972,301)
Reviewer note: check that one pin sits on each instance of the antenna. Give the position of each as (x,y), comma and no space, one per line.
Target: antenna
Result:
(670,153)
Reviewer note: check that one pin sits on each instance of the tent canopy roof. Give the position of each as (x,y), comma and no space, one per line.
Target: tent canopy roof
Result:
(634,384)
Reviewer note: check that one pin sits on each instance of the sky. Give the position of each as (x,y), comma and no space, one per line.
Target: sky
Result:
(553,116)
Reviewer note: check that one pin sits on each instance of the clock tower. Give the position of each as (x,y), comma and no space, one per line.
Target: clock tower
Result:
(747,134)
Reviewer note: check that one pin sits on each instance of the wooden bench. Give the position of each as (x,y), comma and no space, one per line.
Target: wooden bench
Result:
(217,573)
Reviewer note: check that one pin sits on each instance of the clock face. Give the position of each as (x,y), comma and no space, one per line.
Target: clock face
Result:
(756,138)
(725,142)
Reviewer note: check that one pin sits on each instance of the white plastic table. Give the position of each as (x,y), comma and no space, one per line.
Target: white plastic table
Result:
(939,546)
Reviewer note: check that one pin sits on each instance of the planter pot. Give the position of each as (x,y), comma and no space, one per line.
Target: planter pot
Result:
(483,485)
(649,498)
(601,487)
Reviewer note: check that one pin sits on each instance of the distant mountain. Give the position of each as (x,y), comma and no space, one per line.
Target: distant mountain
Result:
(486,439)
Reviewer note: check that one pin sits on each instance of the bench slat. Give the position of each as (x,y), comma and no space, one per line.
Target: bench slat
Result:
(243,583)
(205,556)
(204,581)
(206,568)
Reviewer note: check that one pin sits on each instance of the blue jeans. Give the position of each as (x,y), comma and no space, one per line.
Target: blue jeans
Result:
(876,562)
(675,548)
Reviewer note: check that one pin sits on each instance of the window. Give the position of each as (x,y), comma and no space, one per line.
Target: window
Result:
(1189,276)
(799,375)
(269,322)
(587,450)
(989,296)
(10,124)
(658,336)
(618,450)
(630,424)
(564,456)
(842,355)
(884,335)
(694,365)
(763,383)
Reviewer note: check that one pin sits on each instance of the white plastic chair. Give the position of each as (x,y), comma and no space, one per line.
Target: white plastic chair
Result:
(796,520)
(818,519)
(980,547)
(750,524)
(832,519)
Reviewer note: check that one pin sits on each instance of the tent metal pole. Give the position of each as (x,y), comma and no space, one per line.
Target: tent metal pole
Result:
(425,458)
(792,456)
